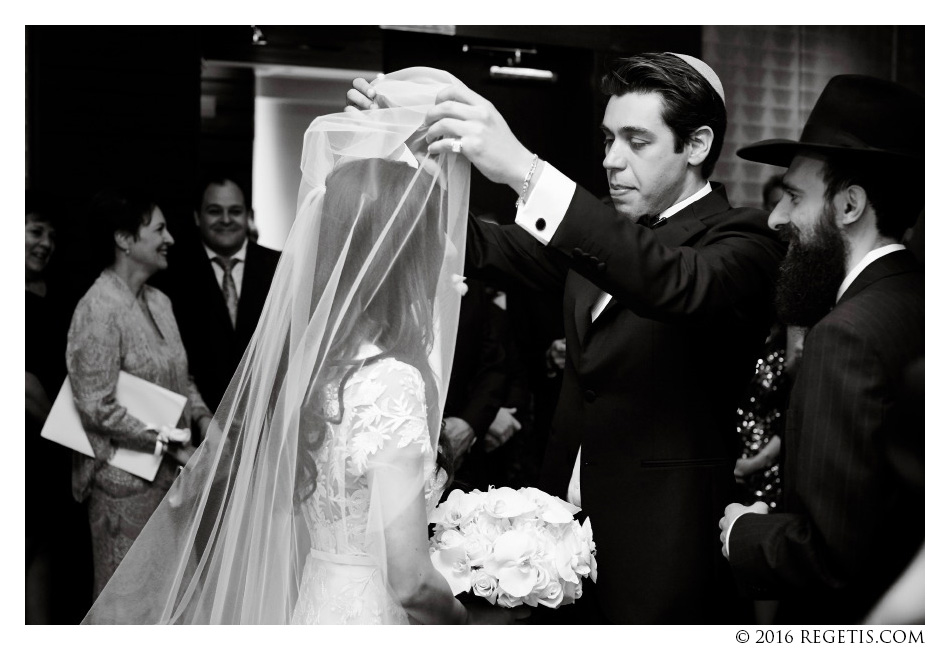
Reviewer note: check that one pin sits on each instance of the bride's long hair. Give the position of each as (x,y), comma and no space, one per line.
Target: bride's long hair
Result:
(394,274)
(368,271)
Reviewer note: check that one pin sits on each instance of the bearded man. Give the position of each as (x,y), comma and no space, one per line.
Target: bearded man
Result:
(851,523)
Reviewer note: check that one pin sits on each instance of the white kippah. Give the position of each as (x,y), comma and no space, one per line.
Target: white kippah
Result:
(708,73)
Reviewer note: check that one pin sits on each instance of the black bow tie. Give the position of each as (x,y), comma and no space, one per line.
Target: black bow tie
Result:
(650,222)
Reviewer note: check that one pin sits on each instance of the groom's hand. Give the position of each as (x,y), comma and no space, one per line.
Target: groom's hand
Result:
(733,512)
(460,114)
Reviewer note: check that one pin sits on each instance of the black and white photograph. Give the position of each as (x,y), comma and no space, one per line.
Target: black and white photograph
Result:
(532,325)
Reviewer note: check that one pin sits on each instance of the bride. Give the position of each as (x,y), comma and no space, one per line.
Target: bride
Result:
(308,501)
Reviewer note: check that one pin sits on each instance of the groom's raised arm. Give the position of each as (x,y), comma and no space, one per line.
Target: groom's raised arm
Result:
(669,282)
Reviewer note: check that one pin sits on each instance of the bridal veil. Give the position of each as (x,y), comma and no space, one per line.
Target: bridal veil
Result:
(379,237)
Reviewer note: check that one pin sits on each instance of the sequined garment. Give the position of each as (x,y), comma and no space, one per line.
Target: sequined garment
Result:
(110,331)
(383,421)
(761,417)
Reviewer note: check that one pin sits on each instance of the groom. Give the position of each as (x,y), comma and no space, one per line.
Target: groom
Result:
(666,301)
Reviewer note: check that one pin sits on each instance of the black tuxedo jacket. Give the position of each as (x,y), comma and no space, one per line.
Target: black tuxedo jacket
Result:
(214,346)
(650,388)
(853,522)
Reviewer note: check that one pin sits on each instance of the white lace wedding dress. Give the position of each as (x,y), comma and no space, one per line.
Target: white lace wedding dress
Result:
(383,420)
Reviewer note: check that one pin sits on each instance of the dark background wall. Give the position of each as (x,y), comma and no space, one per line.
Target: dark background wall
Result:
(149,106)
(110,107)
(153,105)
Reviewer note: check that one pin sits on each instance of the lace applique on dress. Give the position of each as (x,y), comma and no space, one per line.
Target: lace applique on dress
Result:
(383,415)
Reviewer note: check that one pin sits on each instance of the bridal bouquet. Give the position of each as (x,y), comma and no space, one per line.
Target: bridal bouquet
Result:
(512,547)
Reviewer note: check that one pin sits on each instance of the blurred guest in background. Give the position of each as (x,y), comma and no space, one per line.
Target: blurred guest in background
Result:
(501,387)
(477,389)
(760,417)
(122,324)
(760,421)
(48,505)
(851,523)
(218,289)
(506,441)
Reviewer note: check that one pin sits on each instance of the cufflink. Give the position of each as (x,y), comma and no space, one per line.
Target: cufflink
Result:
(540,224)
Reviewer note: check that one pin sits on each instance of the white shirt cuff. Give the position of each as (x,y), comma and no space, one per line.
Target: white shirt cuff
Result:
(545,209)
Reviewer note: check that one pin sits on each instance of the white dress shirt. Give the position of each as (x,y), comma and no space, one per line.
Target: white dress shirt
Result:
(541,216)
(869,257)
(237,271)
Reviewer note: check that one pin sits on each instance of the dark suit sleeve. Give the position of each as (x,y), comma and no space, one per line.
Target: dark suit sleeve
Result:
(732,272)
(842,405)
(507,256)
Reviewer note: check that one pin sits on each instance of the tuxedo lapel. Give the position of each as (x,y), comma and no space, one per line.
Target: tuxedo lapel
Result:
(674,231)
(587,294)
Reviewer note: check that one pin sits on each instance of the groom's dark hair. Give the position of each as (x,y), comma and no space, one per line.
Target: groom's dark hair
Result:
(689,100)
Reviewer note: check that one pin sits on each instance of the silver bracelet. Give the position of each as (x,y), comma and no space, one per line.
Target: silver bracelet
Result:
(527,181)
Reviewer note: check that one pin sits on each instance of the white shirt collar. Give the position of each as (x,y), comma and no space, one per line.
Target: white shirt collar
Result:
(240,255)
(670,211)
(871,256)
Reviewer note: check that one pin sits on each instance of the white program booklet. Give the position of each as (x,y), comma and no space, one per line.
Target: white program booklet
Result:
(148,402)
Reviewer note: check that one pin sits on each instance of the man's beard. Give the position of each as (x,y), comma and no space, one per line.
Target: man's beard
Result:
(811,273)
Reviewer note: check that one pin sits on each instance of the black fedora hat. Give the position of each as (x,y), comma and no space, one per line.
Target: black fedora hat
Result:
(859,116)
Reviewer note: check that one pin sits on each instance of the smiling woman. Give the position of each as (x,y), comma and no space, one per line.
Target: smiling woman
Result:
(122,324)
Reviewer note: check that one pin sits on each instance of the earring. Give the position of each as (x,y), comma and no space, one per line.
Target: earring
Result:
(126,251)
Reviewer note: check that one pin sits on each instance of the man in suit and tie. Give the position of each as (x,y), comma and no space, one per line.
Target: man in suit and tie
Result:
(666,301)
(218,289)
(852,523)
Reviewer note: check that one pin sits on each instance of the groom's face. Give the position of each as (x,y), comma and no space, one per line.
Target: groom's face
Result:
(645,172)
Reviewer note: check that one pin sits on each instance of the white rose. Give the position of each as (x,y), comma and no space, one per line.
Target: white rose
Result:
(477,548)
(485,585)
(507,600)
(451,538)
(553,594)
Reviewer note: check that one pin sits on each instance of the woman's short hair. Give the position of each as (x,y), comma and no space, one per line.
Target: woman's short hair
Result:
(118,211)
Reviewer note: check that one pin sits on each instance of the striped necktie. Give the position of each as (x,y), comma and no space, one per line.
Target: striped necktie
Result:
(228,288)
